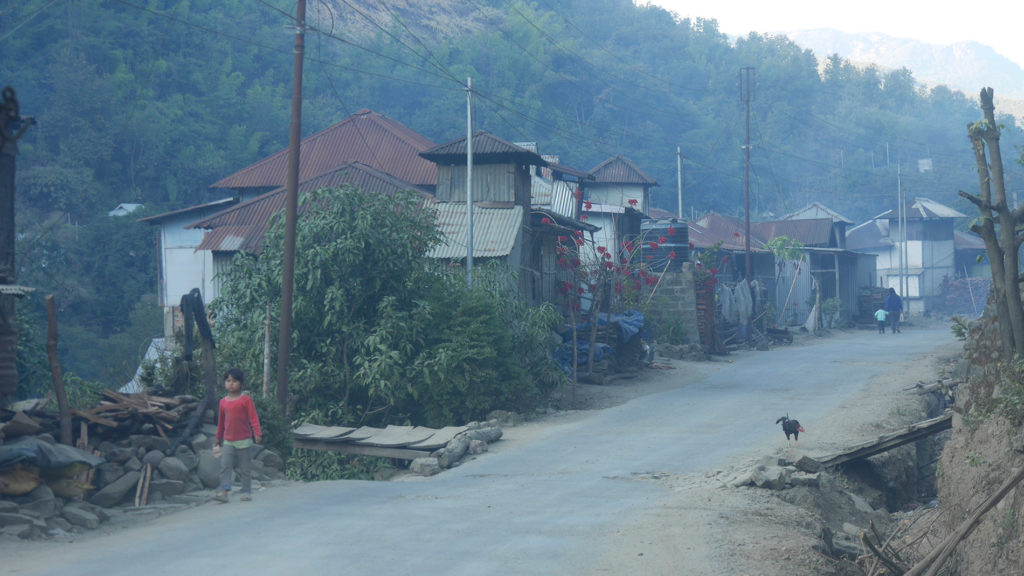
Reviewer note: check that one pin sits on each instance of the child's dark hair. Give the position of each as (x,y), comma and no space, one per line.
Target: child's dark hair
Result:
(237,374)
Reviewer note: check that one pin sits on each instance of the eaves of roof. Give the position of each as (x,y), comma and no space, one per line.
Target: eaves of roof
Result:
(487,149)
(156,219)
(619,170)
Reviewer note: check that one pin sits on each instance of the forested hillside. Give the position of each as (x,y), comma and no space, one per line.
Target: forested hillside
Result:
(151,101)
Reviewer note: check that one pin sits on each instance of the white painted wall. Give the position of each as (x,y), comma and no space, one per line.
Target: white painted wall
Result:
(182,268)
(617,194)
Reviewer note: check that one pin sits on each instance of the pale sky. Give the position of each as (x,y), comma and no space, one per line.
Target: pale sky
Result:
(996,25)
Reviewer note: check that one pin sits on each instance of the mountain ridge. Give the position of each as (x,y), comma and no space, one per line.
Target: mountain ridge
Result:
(964,66)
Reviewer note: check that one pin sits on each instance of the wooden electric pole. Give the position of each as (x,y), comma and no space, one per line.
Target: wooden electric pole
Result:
(284,341)
(12,127)
(747,79)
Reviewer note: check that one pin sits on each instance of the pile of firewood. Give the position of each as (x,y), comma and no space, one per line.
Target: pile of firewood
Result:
(130,412)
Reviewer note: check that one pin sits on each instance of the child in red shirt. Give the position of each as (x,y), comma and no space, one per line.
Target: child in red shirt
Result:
(237,426)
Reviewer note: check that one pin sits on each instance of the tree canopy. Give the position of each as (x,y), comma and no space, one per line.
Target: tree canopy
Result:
(151,102)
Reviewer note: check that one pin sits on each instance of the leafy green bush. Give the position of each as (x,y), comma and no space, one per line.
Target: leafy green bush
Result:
(277,434)
(379,335)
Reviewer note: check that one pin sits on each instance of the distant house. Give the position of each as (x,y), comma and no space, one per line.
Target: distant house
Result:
(617,200)
(971,258)
(507,226)
(928,254)
(243,227)
(181,266)
(829,268)
(124,209)
(365,147)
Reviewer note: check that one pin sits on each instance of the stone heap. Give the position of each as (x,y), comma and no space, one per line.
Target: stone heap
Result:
(54,507)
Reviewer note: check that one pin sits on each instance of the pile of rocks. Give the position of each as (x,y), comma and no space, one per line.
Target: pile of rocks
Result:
(137,473)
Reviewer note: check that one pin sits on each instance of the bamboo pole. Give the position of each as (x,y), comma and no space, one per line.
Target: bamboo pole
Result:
(55,372)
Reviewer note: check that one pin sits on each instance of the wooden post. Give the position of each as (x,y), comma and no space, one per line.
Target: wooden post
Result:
(55,372)
(268,390)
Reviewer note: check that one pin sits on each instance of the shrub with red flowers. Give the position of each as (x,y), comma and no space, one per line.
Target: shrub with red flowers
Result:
(706,265)
(604,279)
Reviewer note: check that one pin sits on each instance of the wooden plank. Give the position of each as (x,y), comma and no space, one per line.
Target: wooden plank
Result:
(362,433)
(887,442)
(439,439)
(349,448)
(94,419)
(317,431)
(397,436)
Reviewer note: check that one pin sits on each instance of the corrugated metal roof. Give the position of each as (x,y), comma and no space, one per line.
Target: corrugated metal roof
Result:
(967,241)
(495,231)
(816,210)
(243,227)
(809,232)
(713,228)
(197,208)
(659,214)
(618,170)
(487,149)
(556,195)
(923,208)
(871,234)
(366,137)
(15,289)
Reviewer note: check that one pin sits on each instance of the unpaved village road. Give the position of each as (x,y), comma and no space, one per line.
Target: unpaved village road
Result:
(548,499)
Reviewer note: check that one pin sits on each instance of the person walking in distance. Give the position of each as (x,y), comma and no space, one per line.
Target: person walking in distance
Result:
(894,309)
(880,316)
(238,425)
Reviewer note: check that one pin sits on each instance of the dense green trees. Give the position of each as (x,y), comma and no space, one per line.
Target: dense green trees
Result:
(153,101)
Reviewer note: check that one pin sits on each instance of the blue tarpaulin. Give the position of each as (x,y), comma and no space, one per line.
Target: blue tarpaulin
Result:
(630,323)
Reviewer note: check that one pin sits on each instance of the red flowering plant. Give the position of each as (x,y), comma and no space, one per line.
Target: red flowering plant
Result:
(707,263)
(605,279)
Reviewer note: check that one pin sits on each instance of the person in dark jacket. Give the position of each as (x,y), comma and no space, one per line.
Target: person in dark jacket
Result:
(894,306)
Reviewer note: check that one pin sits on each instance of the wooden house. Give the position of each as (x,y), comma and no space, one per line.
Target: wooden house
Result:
(507,227)
(921,259)
(366,149)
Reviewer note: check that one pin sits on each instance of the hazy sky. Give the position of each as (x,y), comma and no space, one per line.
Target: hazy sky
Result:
(934,22)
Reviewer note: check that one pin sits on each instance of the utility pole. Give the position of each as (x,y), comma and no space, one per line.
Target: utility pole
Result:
(747,94)
(12,127)
(284,341)
(679,179)
(900,207)
(469,183)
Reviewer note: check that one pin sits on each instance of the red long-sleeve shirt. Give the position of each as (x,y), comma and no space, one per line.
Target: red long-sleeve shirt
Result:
(237,419)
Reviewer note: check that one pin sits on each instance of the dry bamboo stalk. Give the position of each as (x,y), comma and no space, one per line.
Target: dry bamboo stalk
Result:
(145,489)
(932,563)
(138,488)
(889,562)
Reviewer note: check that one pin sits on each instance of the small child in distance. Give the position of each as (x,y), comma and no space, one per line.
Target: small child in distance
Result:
(881,315)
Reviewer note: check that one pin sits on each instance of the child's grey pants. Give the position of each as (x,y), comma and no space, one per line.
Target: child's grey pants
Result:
(229,458)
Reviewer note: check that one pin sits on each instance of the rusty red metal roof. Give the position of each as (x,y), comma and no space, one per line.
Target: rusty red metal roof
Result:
(714,228)
(811,232)
(487,149)
(366,137)
(242,227)
(618,170)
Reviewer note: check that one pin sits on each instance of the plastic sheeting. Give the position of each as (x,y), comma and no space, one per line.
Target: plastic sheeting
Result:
(630,323)
(45,456)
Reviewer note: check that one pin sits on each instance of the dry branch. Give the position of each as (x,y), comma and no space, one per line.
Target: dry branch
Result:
(934,561)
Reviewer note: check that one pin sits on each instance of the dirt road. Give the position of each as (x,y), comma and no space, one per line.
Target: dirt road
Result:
(630,489)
